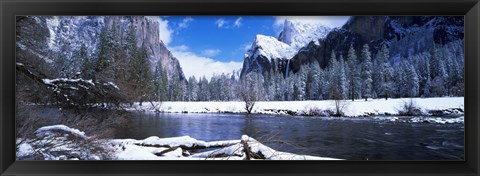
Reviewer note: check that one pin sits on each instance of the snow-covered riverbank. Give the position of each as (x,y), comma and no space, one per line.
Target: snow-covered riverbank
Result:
(446,105)
(59,142)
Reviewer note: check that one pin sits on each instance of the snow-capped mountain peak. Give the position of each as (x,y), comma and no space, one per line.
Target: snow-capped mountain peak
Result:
(271,48)
(298,34)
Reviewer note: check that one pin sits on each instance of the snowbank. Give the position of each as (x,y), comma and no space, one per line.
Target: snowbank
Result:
(350,108)
(55,145)
(178,148)
(48,130)
(60,142)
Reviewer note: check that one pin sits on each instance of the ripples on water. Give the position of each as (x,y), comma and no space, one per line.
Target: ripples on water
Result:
(372,138)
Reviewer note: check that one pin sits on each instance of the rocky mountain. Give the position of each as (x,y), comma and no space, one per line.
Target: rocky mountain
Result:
(403,35)
(267,53)
(148,35)
(298,34)
(68,33)
(270,53)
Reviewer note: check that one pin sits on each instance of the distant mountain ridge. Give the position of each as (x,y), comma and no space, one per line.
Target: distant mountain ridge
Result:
(270,53)
(403,35)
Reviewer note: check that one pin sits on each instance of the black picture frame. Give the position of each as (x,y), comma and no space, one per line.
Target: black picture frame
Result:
(10,8)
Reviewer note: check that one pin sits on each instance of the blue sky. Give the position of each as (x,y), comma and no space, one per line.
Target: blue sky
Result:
(207,45)
(220,37)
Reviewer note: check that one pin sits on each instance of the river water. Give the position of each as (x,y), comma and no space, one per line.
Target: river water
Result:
(371,138)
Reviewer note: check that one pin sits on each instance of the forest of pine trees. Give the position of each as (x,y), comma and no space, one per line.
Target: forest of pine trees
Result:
(347,76)
(428,74)
(437,73)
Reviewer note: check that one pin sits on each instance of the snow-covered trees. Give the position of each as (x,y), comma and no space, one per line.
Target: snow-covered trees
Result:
(366,74)
(108,50)
(373,72)
(337,86)
(160,82)
(300,84)
(192,88)
(141,76)
(249,90)
(412,86)
(384,74)
(314,81)
(353,74)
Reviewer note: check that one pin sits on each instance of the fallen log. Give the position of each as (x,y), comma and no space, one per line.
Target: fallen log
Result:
(246,149)
(184,142)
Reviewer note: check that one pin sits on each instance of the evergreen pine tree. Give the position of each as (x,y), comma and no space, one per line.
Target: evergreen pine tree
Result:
(366,73)
(353,75)
(412,84)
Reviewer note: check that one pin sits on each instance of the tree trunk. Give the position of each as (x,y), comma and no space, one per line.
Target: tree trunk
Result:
(246,150)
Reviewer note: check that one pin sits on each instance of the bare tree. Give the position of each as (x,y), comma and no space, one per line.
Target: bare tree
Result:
(249,98)
(249,90)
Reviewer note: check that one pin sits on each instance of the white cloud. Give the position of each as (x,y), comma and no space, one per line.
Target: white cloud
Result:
(198,66)
(211,52)
(180,48)
(330,21)
(238,22)
(221,23)
(246,46)
(185,22)
(165,31)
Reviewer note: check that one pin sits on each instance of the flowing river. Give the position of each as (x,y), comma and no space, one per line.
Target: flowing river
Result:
(371,138)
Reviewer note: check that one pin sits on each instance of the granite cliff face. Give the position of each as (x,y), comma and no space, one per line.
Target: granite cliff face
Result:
(148,35)
(68,33)
(404,36)
(270,53)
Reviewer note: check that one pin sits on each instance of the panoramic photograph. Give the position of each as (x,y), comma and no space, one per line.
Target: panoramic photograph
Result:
(240,88)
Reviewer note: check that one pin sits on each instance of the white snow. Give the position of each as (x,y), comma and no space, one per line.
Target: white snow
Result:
(185,141)
(151,148)
(47,130)
(438,120)
(298,34)
(24,149)
(172,142)
(245,138)
(113,85)
(295,35)
(129,149)
(221,143)
(135,152)
(51,81)
(52,24)
(271,48)
(353,109)
(233,150)
(271,154)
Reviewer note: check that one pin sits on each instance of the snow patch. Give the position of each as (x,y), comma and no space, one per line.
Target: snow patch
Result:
(298,34)
(352,109)
(151,148)
(271,48)
(47,130)
(24,149)
(51,81)
(172,142)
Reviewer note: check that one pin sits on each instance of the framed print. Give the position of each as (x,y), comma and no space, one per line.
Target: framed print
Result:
(256,87)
